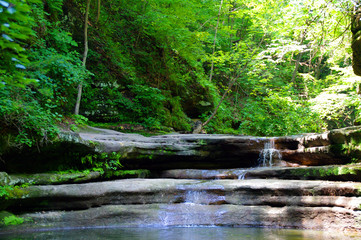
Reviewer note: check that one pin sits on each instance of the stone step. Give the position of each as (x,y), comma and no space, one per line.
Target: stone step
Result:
(215,150)
(271,192)
(331,173)
(165,215)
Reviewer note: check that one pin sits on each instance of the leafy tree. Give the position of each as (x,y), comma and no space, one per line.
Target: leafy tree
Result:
(21,115)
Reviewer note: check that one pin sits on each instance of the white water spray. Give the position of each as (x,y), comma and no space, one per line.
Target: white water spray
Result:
(269,154)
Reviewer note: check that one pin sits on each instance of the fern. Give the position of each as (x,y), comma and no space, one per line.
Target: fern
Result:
(55,6)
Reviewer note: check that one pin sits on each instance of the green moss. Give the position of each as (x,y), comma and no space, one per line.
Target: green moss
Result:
(140,173)
(323,172)
(348,170)
(18,192)
(5,191)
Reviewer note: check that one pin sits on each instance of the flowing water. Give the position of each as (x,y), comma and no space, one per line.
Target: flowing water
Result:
(269,154)
(192,212)
(181,233)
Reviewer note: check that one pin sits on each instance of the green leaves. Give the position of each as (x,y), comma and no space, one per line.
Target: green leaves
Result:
(15,30)
(277,116)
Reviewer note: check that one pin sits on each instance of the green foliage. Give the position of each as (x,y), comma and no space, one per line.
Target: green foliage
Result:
(13,220)
(104,161)
(5,191)
(78,121)
(277,115)
(149,63)
(38,82)
(15,31)
(140,173)
(339,105)
(55,6)
(175,117)
(25,117)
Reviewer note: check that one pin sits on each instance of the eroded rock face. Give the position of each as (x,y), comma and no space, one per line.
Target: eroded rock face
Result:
(160,215)
(329,173)
(171,202)
(205,151)
(170,191)
(260,200)
(176,150)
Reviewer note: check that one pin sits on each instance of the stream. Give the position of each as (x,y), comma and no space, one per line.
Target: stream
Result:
(182,233)
(194,204)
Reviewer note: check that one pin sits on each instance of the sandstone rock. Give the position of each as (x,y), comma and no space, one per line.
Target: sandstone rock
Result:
(52,178)
(174,202)
(206,151)
(160,215)
(331,173)
(147,191)
(214,151)
(4,179)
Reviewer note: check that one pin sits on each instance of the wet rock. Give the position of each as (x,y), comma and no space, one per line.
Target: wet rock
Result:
(173,202)
(147,191)
(160,215)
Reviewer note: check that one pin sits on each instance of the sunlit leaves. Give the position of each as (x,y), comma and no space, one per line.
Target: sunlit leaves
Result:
(15,30)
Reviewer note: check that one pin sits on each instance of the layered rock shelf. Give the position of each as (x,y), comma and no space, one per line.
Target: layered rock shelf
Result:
(351,172)
(303,181)
(207,151)
(172,202)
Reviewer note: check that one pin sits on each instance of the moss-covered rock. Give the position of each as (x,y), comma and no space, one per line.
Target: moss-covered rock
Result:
(53,178)
(330,173)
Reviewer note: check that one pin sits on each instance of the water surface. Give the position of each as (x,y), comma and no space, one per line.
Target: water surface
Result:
(182,233)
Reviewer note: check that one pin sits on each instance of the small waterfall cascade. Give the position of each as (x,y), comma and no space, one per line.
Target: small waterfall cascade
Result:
(268,154)
(192,208)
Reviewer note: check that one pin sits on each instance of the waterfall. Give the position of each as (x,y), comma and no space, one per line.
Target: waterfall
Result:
(268,154)
(193,207)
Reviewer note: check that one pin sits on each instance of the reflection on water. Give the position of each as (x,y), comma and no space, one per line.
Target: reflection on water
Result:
(182,233)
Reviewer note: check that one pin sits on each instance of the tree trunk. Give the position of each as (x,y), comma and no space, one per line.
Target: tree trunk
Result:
(297,65)
(214,42)
(85,55)
(299,56)
(230,85)
(98,11)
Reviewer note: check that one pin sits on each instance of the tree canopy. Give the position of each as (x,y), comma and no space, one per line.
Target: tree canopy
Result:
(269,67)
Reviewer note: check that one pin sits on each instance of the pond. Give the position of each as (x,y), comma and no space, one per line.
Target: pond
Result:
(182,233)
